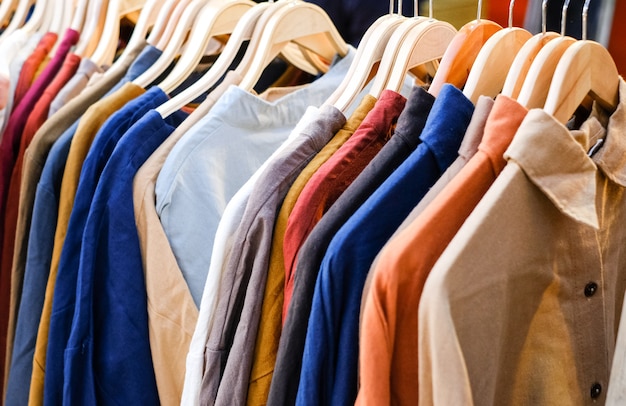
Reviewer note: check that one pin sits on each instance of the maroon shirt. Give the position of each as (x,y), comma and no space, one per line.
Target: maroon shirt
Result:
(336,174)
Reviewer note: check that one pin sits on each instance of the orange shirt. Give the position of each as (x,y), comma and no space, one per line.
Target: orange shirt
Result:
(30,67)
(389,344)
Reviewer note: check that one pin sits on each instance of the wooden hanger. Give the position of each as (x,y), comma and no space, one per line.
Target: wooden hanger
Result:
(462,52)
(525,57)
(254,18)
(7,7)
(78,18)
(366,61)
(69,9)
(304,23)
(58,11)
(535,89)
(167,13)
(489,70)
(585,69)
(91,31)
(214,20)
(146,19)
(20,15)
(174,45)
(150,14)
(424,43)
(172,22)
(242,32)
(106,46)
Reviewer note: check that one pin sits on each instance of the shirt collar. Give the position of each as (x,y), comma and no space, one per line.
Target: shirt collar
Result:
(557,160)
(254,112)
(446,125)
(503,121)
(611,157)
(413,117)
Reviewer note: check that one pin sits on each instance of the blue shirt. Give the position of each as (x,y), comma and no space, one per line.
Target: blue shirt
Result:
(217,156)
(45,210)
(109,341)
(65,290)
(330,360)
(39,257)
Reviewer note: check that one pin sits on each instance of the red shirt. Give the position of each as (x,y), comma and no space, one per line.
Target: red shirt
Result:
(32,64)
(336,174)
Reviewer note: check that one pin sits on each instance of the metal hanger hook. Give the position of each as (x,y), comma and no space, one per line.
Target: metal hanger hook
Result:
(585,13)
(511,6)
(480,9)
(544,13)
(564,17)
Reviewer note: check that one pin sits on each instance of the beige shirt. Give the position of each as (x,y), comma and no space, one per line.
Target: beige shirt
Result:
(523,306)
(170,326)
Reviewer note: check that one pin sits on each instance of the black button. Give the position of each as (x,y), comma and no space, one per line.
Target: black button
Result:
(596,390)
(591,289)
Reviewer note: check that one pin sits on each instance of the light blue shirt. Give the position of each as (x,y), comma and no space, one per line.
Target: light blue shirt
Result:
(217,156)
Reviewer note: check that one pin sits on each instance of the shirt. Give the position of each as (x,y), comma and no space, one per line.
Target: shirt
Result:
(108,353)
(10,48)
(36,268)
(615,394)
(366,104)
(98,154)
(75,85)
(390,331)
(8,149)
(468,148)
(146,58)
(332,178)
(222,249)
(32,64)
(326,124)
(15,69)
(534,275)
(171,327)
(329,363)
(40,246)
(241,302)
(193,191)
(17,121)
(33,123)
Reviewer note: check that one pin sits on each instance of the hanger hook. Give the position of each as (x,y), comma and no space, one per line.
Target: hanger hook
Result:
(585,12)
(430,9)
(390,7)
(480,9)
(511,6)
(416,8)
(544,12)
(564,17)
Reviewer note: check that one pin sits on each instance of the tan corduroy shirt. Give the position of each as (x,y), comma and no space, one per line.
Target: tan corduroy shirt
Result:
(523,305)
(172,313)
(88,127)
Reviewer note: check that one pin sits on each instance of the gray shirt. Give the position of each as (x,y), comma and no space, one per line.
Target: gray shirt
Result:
(241,296)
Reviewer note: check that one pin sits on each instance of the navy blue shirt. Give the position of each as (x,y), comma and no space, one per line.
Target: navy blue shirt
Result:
(109,341)
(65,290)
(330,360)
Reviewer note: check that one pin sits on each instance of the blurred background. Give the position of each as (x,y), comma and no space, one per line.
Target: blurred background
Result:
(353,17)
